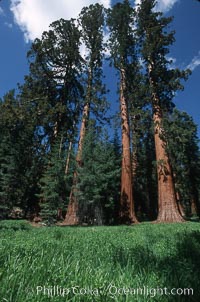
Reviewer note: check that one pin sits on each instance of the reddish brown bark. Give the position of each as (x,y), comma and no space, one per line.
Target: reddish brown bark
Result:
(167,204)
(180,206)
(86,110)
(127,211)
(72,216)
(168,210)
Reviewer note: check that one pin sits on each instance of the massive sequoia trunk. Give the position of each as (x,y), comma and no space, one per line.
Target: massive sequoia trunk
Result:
(91,20)
(167,204)
(127,212)
(72,215)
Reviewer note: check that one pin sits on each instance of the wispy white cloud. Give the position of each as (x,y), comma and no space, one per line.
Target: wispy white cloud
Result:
(162,5)
(33,17)
(195,62)
(165,5)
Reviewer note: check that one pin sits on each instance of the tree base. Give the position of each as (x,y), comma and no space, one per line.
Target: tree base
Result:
(71,220)
(169,218)
(71,217)
(134,220)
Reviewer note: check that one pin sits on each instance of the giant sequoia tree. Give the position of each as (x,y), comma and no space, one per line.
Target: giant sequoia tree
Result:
(91,20)
(54,80)
(122,46)
(163,82)
(55,70)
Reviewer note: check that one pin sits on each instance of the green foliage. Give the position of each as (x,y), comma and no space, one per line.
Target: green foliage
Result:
(155,40)
(54,184)
(155,256)
(144,179)
(7,177)
(98,178)
(182,145)
(91,20)
(8,169)
(19,164)
(124,54)
(54,83)
(120,20)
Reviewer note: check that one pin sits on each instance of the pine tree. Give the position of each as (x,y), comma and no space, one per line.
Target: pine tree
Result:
(53,184)
(19,158)
(163,82)
(7,176)
(98,178)
(7,154)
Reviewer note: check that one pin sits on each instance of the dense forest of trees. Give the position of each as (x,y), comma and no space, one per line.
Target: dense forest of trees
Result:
(61,157)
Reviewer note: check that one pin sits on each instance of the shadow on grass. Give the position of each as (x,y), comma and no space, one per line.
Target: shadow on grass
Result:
(178,267)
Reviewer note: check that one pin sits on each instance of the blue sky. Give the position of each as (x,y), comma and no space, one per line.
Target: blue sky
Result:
(23,20)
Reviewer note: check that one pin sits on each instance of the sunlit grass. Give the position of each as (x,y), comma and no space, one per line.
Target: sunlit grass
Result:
(150,255)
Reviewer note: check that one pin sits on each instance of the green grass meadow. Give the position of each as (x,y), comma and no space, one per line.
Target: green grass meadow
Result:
(98,263)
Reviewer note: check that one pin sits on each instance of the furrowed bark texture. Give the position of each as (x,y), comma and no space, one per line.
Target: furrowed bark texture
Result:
(167,204)
(127,212)
(72,216)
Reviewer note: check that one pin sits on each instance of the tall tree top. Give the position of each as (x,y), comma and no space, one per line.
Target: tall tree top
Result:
(120,20)
(91,20)
(155,41)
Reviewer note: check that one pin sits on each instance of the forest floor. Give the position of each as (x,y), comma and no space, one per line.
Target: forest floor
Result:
(145,262)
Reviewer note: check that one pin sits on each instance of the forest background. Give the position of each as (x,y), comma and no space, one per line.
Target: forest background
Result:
(56,149)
